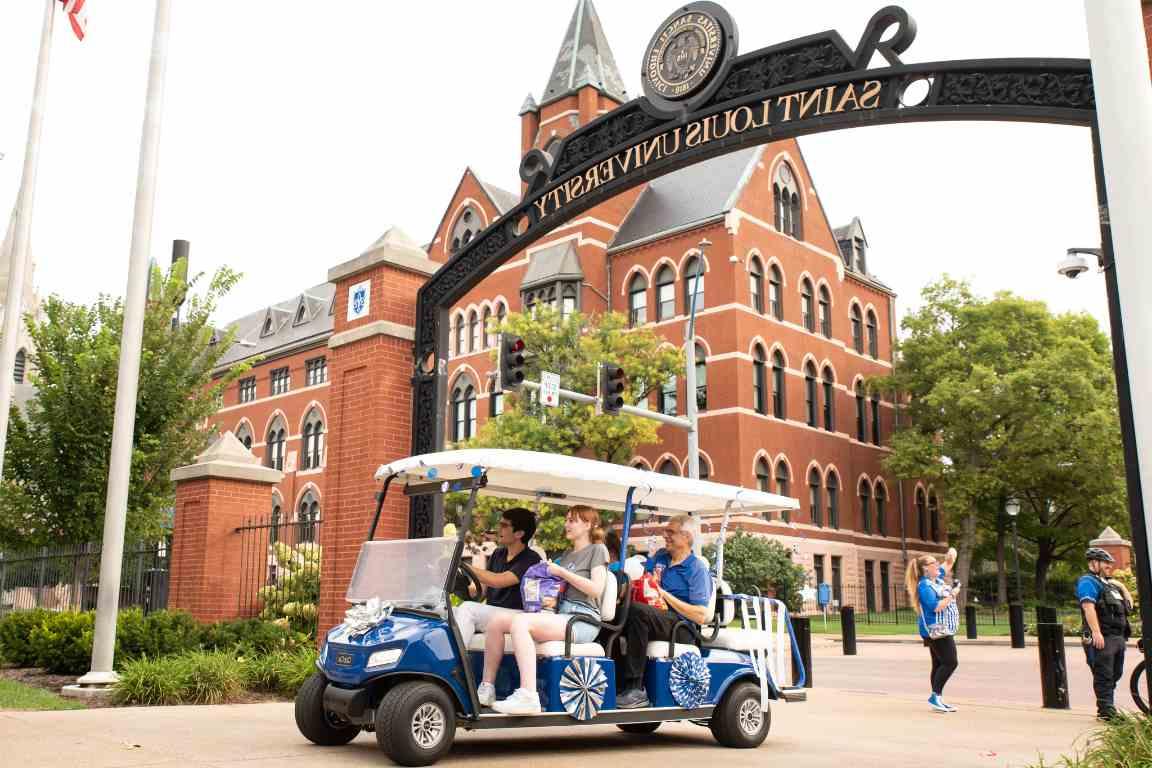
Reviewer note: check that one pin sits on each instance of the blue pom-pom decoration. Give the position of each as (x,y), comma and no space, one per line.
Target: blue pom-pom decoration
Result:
(689,680)
(582,688)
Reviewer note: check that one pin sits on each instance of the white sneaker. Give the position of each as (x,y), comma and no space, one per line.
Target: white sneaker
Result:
(521,702)
(486,693)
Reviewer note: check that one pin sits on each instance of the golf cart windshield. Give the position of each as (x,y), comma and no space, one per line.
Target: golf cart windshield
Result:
(408,572)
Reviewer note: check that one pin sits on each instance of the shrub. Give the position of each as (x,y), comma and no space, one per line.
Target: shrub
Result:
(251,637)
(209,678)
(1125,743)
(281,672)
(752,562)
(63,643)
(149,682)
(16,636)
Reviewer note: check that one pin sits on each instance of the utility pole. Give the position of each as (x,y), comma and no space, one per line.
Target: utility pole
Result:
(690,409)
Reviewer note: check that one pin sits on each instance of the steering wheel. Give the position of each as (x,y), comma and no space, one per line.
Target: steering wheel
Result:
(462,590)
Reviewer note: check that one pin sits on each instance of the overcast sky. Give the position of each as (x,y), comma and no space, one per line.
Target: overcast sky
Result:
(294,134)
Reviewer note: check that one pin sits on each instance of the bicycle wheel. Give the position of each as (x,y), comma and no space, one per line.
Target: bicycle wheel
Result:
(1139,687)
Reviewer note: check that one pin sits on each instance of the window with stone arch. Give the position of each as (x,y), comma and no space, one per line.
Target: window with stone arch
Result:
(807,315)
(668,467)
(467,225)
(460,347)
(487,329)
(825,302)
(832,486)
(784,486)
(637,300)
(313,440)
(665,293)
(829,381)
(501,313)
(861,413)
(473,332)
(244,434)
(274,445)
(921,515)
(776,292)
(693,281)
(275,518)
(763,476)
(873,341)
(778,387)
(463,409)
(307,516)
(786,202)
(934,516)
(857,329)
(759,380)
(815,497)
(865,494)
(666,400)
(881,501)
(701,379)
(704,468)
(756,284)
(811,396)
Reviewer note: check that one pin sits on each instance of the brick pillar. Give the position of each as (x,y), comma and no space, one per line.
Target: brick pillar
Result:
(224,488)
(1113,544)
(370,363)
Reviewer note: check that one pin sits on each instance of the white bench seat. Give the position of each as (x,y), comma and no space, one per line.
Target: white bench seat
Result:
(742,640)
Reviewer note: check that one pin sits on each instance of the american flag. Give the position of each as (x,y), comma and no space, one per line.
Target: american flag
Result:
(77,16)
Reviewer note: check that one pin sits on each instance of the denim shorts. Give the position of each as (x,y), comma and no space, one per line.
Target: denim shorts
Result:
(581,632)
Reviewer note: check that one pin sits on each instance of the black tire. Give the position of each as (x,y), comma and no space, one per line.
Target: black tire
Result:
(316,725)
(738,722)
(1136,686)
(410,707)
(638,727)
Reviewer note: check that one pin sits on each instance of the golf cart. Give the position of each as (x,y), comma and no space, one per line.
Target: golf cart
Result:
(397,665)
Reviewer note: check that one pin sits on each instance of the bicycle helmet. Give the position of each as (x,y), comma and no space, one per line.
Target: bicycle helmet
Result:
(1096,553)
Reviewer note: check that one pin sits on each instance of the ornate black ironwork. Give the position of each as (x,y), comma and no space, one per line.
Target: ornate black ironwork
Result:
(768,95)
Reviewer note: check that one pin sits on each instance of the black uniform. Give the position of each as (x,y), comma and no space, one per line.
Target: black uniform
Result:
(1107,663)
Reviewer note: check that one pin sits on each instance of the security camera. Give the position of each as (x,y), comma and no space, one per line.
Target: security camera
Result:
(1073,265)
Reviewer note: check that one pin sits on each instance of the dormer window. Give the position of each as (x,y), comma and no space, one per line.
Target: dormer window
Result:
(267,329)
(301,313)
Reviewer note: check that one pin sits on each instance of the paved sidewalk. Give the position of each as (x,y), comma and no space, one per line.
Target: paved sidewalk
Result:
(1070,643)
(834,726)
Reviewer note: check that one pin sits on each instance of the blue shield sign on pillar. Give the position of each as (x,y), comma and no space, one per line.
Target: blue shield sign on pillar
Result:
(359,296)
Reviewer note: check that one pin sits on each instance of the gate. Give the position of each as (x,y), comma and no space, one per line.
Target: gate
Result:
(280,570)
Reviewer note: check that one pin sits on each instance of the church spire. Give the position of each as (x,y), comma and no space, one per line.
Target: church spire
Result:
(584,59)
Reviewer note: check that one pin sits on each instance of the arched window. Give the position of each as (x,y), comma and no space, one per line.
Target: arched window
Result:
(810,395)
(779,208)
(778,384)
(464,229)
(881,511)
(701,380)
(637,300)
(825,312)
(21,363)
(489,332)
(668,467)
(705,470)
(313,448)
(921,515)
(665,294)
(829,400)
(306,518)
(934,517)
(806,314)
(861,415)
(876,419)
(873,343)
(667,399)
(763,476)
(775,292)
(274,520)
(244,434)
(784,486)
(501,313)
(756,284)
(693,282)
(832,485)
(815,497)
(759,402)
(463,409)
(857,329)
(567,301)
(460,348)
(786,202)
(865,506)
(274,445)
(473,332)
(495,404)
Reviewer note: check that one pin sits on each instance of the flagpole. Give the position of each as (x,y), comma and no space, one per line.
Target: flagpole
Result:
(18,264)
(120,464)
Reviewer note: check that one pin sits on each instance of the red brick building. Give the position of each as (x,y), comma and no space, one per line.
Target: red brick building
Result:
(791,320)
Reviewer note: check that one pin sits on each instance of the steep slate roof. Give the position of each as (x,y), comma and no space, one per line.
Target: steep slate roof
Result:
(556,262)
(584,59)
(852,229)
(501,198)
(687,196)
(286,333)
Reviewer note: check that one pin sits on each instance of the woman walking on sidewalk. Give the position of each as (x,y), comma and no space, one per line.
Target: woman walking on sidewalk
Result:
(934,599)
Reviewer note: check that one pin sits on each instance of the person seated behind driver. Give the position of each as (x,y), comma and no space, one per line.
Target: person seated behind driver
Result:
(501,579)
(686,588)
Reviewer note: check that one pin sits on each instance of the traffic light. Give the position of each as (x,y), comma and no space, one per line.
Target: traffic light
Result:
(510,362)
(612,380)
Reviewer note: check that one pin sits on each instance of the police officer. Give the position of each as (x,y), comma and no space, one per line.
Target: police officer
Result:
(1105,605)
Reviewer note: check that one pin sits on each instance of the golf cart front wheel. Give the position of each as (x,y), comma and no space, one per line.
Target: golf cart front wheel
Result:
(416,723)
(739,722)
(316,724)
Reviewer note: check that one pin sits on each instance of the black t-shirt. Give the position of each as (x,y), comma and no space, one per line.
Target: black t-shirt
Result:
(509,597)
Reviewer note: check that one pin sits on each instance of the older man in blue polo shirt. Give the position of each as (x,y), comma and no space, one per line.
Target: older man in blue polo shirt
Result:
(686,588)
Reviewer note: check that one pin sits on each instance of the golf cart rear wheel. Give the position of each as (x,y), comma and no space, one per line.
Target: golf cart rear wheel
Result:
(317,725)
(739,722)
(416,723)
(638,727)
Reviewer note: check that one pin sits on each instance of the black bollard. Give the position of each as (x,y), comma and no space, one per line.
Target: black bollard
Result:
(848,629)
(1016,624)
(802,628)
(1053,668)
(970,621)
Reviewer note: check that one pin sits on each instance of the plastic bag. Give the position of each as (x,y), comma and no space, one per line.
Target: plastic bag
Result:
(540,590)
(646,590)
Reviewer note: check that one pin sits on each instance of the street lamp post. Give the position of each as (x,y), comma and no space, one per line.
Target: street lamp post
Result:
(690,409)
(1012,509)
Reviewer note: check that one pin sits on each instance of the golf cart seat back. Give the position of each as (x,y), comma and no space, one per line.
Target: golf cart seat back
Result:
(658,649)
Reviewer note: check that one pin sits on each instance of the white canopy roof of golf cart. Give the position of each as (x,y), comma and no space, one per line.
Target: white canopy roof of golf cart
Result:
(569,480)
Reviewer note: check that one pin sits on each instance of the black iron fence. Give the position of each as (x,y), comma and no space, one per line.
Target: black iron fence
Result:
(280,570)
(66,578)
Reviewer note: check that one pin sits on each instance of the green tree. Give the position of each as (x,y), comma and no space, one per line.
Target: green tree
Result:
(1005,399)
(755,563)
(56,467)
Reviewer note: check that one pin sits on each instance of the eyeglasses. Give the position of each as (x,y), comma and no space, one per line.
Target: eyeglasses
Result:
(505,524)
